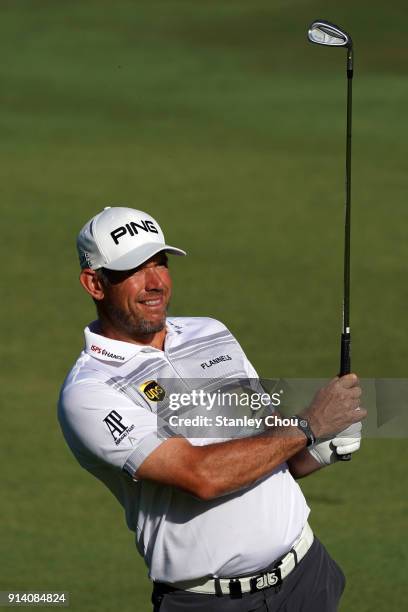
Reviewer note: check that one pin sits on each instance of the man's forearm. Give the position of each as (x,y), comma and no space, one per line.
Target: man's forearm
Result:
(230,466)
(220,468)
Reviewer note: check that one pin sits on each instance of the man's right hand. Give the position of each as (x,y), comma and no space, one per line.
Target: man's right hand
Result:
(335,407)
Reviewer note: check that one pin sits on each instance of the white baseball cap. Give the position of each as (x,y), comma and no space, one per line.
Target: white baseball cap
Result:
(120,238)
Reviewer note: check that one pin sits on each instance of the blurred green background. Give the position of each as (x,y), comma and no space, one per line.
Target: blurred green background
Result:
(224,123)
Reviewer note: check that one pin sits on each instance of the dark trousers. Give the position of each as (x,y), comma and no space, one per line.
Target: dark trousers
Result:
(315,585)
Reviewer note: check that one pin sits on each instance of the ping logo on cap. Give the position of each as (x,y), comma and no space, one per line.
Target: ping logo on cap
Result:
(153,391)
(133,228)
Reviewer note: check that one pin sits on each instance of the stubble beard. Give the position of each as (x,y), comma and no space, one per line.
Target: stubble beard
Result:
(134,326)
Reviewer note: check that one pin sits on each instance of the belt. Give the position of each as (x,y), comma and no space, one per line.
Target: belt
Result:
(235,587)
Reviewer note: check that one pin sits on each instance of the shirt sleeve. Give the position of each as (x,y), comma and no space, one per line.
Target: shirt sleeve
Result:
(104,427)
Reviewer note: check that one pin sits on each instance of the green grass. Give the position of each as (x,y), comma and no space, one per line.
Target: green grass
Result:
(221,121)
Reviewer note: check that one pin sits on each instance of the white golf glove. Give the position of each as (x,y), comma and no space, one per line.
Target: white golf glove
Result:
(345,442)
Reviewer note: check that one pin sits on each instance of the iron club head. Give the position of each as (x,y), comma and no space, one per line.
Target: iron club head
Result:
(323,32)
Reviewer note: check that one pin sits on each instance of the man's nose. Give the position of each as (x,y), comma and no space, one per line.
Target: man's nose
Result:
(152,279)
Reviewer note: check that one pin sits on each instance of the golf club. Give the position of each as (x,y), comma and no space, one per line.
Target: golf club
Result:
(323,32)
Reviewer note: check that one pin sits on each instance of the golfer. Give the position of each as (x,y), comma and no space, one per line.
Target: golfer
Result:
(221,522)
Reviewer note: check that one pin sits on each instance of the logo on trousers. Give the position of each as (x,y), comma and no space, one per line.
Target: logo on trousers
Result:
(267,580)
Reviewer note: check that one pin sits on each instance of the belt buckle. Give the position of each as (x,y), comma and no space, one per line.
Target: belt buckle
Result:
(267,580)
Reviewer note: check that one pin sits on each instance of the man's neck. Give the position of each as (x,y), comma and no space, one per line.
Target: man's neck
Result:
(155,339)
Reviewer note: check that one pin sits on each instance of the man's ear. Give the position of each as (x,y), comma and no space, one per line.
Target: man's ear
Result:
(92,284)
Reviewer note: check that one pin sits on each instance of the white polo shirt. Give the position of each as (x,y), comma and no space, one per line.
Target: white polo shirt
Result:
(111,426)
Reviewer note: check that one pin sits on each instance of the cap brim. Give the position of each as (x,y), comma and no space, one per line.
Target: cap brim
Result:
(135,258)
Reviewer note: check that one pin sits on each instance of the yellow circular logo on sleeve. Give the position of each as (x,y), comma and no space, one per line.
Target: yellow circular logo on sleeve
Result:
(153,391)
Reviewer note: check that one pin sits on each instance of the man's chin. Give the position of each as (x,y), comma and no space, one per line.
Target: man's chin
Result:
(147,327)
(135,324)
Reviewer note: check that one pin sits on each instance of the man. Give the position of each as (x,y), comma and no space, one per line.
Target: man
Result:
(221,524)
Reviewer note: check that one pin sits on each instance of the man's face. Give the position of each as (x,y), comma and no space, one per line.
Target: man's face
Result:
(135,301)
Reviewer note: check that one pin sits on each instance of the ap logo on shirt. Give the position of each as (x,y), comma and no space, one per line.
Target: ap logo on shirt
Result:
(118,430)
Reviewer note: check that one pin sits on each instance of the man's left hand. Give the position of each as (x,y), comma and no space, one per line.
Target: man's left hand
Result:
(345,442)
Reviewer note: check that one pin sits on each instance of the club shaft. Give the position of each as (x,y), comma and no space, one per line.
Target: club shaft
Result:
(345,352)
(345,363)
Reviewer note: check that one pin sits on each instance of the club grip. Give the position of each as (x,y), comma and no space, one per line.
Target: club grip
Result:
(345,368)
(345,354)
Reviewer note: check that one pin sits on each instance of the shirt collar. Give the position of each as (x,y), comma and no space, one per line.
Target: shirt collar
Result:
(105,349)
